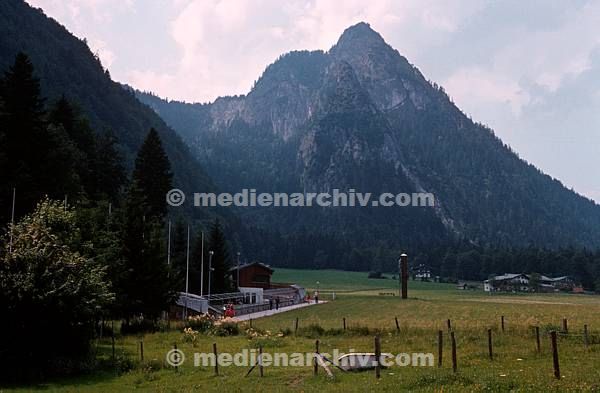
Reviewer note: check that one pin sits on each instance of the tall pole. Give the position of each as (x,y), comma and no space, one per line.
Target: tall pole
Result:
(12,220)
(238,270)
(202,266)
(187,273)
(169,246)
(399,277)
(404,265)
(187,263)
(210,255)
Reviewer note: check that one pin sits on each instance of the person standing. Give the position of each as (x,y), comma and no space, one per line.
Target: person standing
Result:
(316,297)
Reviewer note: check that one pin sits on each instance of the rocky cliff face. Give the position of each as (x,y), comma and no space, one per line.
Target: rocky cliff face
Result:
(361,116)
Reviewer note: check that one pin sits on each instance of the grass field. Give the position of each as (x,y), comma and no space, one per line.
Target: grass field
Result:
(516,367)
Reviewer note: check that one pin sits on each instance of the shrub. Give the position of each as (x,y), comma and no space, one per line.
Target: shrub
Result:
(201,323)
(190,336)
(225,329)
(45,283)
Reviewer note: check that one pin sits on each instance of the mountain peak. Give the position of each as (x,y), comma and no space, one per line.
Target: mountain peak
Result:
(359,34)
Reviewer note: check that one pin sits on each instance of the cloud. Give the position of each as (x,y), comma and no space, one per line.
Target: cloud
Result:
(107,57)
(475,86)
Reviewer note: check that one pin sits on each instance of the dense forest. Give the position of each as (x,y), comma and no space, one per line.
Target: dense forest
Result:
(85,240)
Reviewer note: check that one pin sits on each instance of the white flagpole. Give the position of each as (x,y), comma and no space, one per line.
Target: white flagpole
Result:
(202,267)
(187,273)
(187,268)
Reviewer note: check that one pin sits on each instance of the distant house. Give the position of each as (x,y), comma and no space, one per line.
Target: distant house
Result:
(519,282)
(563,283)
(252,275)
(508,282)
(421,272)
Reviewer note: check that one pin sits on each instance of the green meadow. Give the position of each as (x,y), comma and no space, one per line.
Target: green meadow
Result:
(516,366)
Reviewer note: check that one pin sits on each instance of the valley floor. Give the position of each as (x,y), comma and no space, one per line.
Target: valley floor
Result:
(517,366)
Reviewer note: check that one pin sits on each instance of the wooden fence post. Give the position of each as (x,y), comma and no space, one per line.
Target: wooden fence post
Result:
(586,341)
(377,357)
(449,325)
(216,358)
(316,367)
(175,349)
(555,355)
(142,350)
(565,326)
(440,347)
(404,274)
(454,365)
(296,326)
(502,322)
(490,349)
(344,322)
(397,324)
(537,339)
(113,339)
(250,321)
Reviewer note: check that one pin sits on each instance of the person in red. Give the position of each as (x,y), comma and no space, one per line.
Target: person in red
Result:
(230,311)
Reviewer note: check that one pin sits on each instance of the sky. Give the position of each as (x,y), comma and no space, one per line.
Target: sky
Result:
(528,69)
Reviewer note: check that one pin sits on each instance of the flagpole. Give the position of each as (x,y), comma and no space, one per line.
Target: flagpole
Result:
(202,266)
(187,267)
(187,273)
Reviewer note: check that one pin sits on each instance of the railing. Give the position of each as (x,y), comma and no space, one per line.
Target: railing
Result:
(244,309)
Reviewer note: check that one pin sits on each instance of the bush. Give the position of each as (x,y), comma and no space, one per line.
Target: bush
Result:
(50,296)
(201,323)
(226,329)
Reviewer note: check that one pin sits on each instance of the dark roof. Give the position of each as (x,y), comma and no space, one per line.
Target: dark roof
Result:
(252,264)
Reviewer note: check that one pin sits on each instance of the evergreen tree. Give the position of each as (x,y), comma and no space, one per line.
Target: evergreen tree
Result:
(25,136)
(221,261)
(145,286)
(108,173)
(179,253)
(153,175)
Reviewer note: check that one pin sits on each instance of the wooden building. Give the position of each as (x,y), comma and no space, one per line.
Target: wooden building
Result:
(252,275)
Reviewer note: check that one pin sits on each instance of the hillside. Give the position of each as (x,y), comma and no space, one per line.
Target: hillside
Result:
(361,116)
(65,65)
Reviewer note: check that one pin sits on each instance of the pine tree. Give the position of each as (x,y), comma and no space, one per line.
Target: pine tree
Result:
(179,253)
(153,175)
(146,286)
(108,172)
(25,138)
(221,262)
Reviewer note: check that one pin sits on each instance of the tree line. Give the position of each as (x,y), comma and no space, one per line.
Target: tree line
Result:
(88,241)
